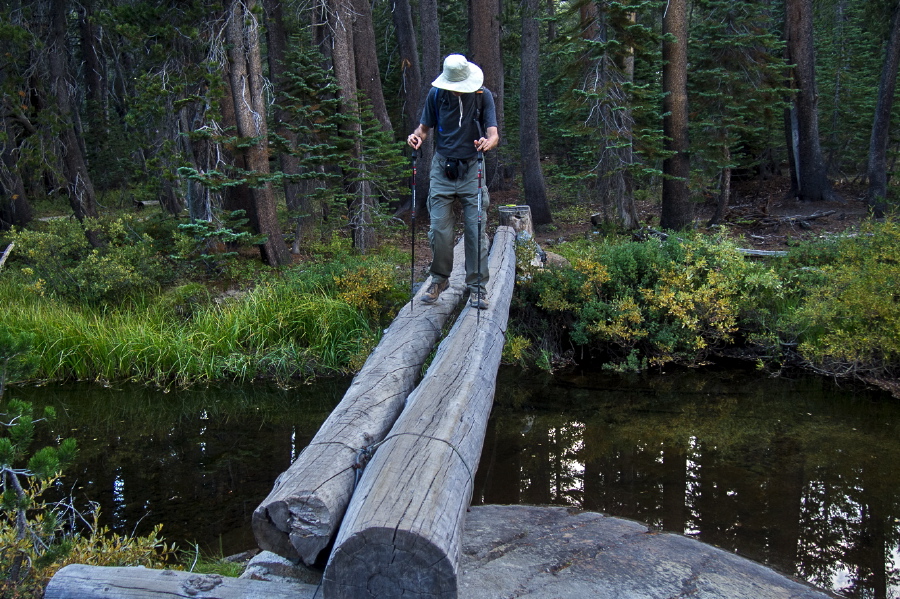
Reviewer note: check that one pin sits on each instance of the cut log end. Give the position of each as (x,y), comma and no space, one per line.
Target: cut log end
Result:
(296,527)
(517,217)
(384,562)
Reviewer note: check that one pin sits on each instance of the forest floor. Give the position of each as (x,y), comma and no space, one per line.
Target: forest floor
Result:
(761,216)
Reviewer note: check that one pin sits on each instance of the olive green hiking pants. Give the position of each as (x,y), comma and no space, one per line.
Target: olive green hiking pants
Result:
(443,192)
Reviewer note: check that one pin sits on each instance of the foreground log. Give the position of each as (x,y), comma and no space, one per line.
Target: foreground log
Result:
(78,581)
(402,531)
(301,515)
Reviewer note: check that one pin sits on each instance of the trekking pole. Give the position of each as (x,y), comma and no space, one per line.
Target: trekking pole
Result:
(478,294)
(412,237)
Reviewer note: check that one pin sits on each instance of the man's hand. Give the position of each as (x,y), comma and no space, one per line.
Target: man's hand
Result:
(488,143)
(416,138)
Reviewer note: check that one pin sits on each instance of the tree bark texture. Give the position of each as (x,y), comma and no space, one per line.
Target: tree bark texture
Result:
(812,180)
(302,513)
(78,581)
(431,67)
(411,86)
(677,208)
(276,38)
(484,45)
(402,532)
(340,23)
(411,72)
(878,143)
(94,73)
(368,75)
(724,194)
(533,184)
(15,209)
(79,186)
(612,117)
(246,81)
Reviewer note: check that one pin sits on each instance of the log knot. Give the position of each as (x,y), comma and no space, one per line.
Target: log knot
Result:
(201,584)
(363,456)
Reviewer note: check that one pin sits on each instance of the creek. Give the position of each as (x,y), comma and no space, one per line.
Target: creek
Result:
(797,473)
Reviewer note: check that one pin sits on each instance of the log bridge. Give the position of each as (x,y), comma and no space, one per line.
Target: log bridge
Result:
(380,494)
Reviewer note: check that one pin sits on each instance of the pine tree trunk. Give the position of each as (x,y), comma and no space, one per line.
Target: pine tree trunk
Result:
(15,209)
(407,46)
(368,76)
(245,78)
(94,76)
(340,15)
(812,179)
(878,143)
(677,208)
(80,189)
(484,44)
(276,37)
(533,183)
(431,68)
(724,191)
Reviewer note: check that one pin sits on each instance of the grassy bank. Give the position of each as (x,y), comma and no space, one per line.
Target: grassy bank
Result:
(319,317)
(830,306)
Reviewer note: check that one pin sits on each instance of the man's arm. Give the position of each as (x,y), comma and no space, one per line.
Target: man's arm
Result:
(488,143)
(416,138)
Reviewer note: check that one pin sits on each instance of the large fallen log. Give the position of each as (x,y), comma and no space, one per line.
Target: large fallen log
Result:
(302,513)
(762,253)
(78,581)
(401,534)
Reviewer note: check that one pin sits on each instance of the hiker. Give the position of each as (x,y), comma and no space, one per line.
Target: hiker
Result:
(455,101)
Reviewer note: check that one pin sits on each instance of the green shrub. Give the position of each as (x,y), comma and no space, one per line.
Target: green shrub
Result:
(653,301)
(849,320)
(56,259)
(211,245)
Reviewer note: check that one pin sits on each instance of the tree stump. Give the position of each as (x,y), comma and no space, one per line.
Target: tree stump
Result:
(517,217)
(302,513)
(402,531)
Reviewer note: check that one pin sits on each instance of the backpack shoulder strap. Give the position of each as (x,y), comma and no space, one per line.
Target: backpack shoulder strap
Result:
(479,108)
(435,99)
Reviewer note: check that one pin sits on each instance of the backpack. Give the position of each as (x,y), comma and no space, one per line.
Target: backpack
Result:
(479,108)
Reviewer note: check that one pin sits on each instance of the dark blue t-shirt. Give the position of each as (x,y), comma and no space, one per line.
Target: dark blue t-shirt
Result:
(452,118)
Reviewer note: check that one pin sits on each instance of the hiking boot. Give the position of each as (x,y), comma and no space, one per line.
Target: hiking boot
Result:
(433,291)
(478,302)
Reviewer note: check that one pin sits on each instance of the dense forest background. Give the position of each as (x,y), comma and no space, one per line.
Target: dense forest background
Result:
(291,111)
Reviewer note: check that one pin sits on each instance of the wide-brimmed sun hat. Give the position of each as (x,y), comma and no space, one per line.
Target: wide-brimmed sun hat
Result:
(459,75)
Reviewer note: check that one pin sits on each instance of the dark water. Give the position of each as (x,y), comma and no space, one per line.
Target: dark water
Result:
(799,474)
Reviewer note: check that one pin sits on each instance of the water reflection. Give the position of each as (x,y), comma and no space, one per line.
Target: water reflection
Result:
(198,461)
(795,474)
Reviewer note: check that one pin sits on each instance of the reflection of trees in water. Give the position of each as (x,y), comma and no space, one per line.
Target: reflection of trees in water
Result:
(787,473)
(791,474)
(197,461)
